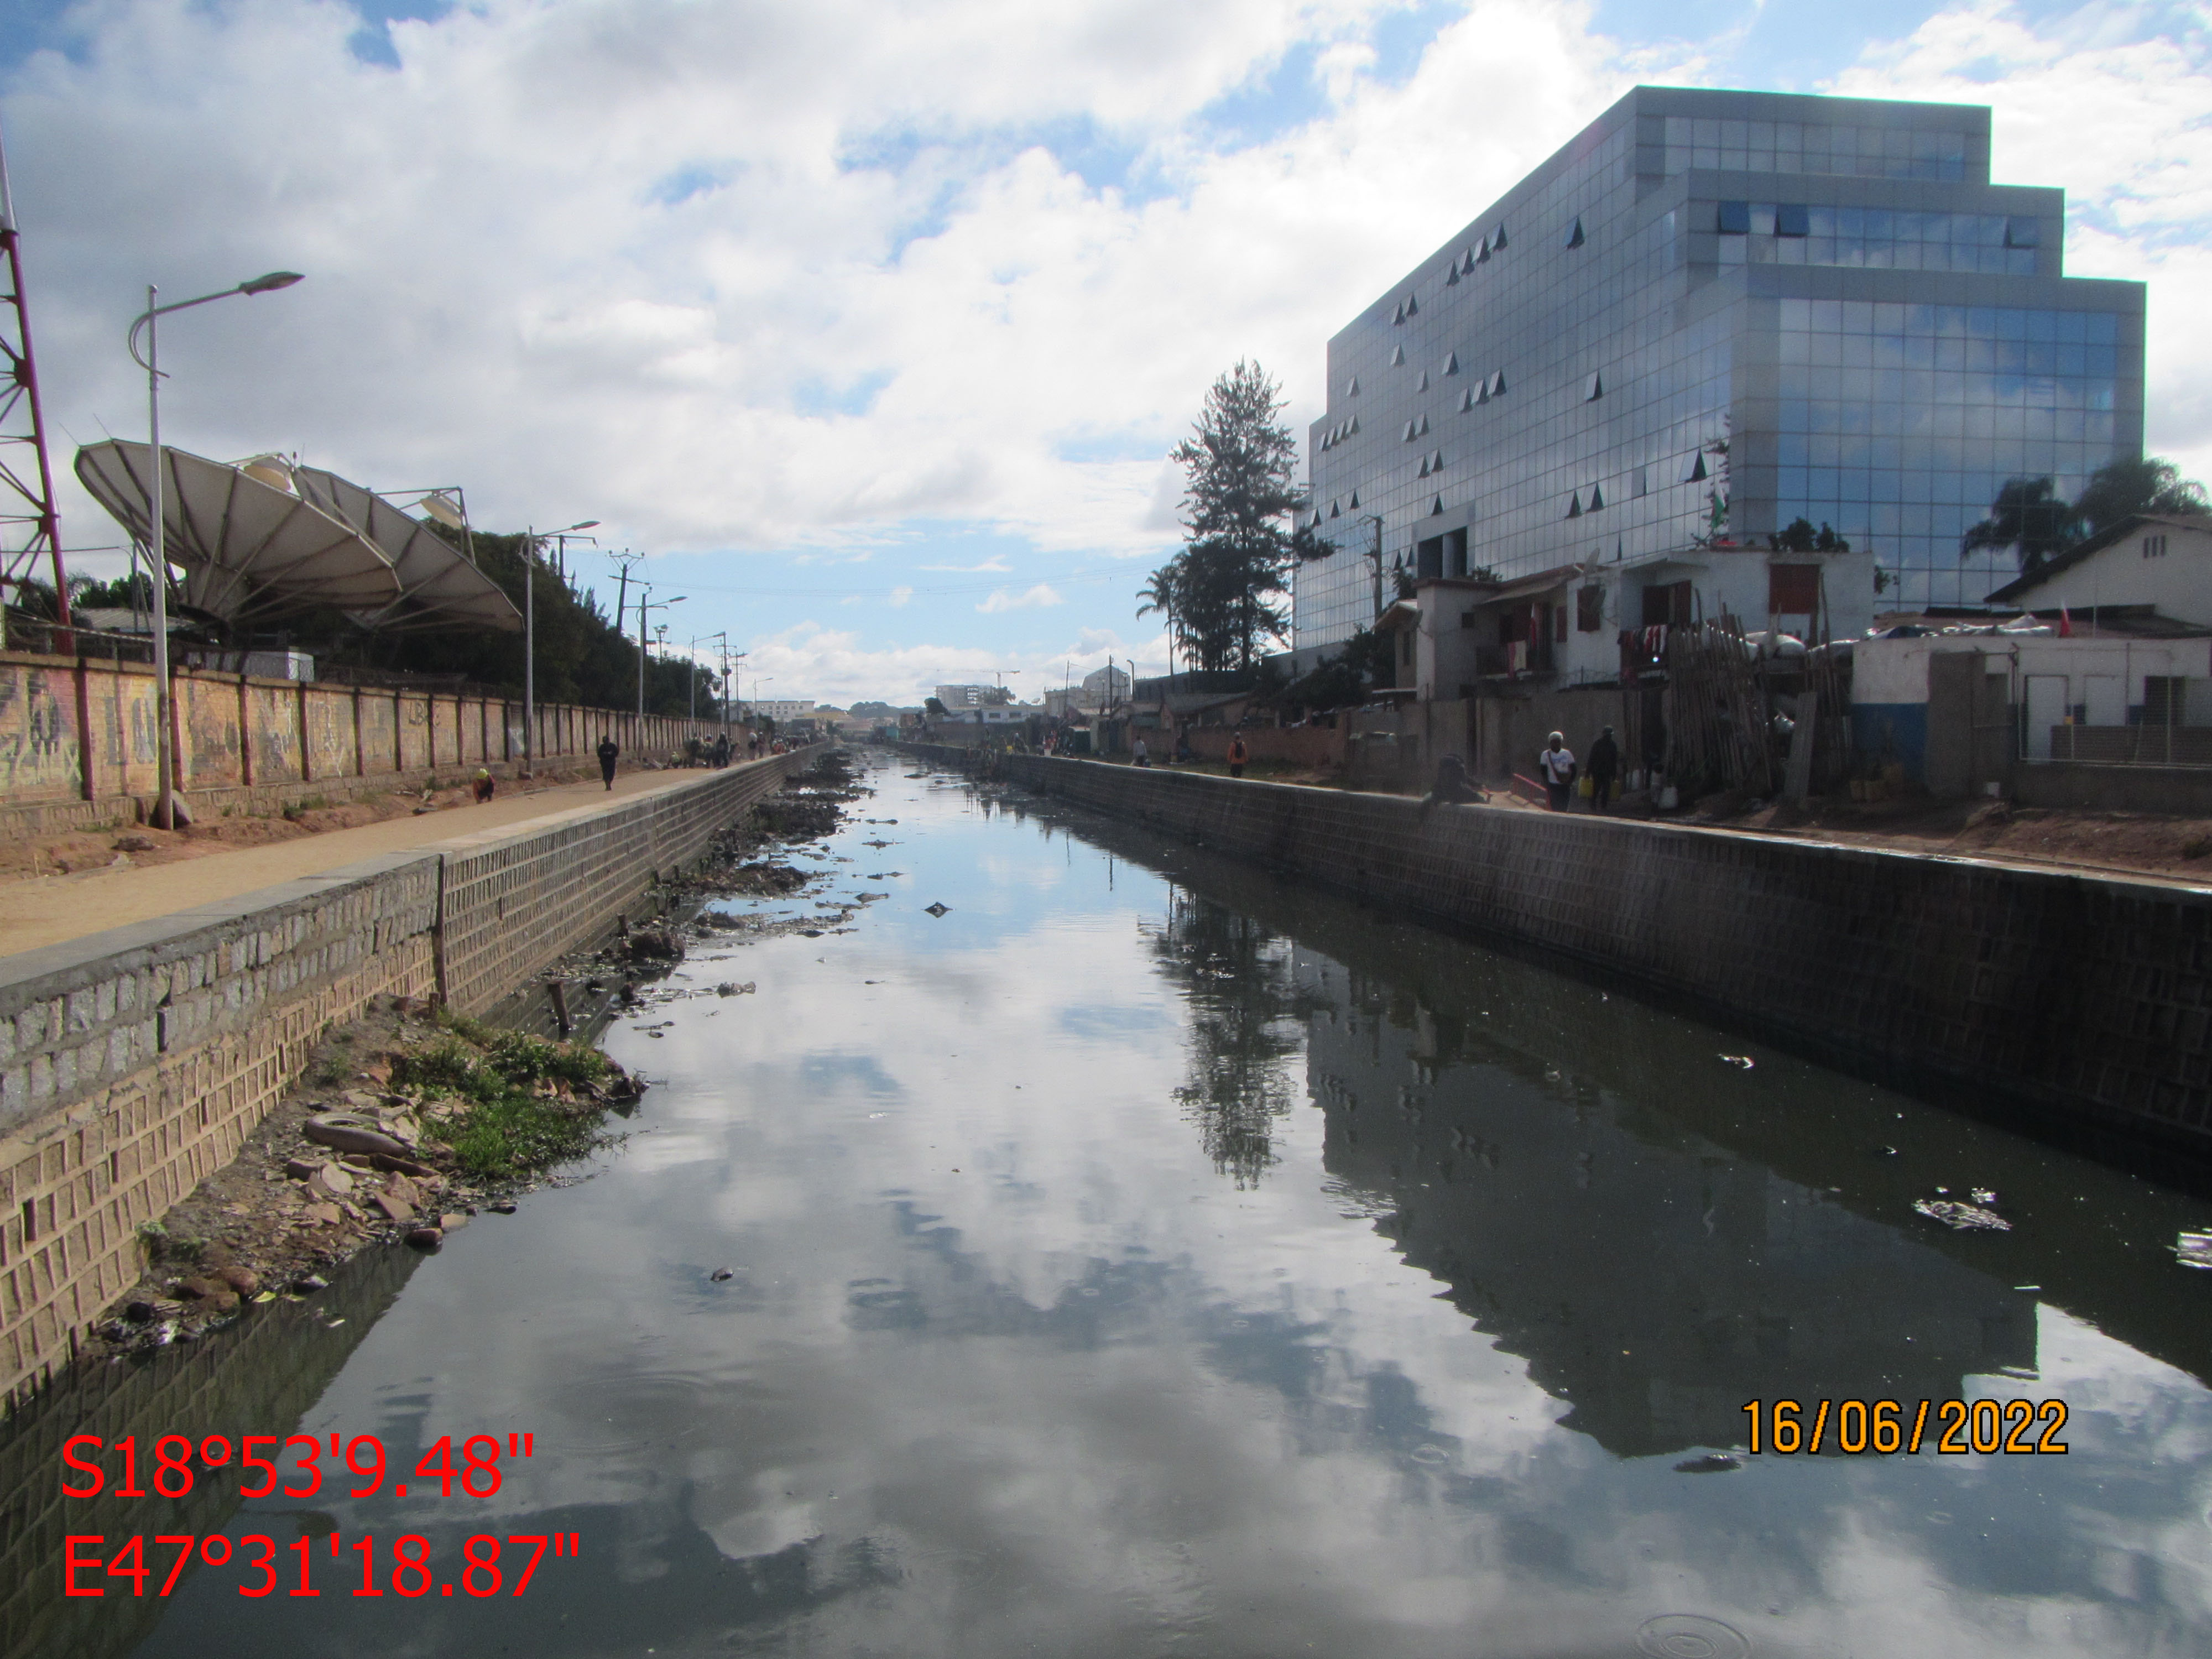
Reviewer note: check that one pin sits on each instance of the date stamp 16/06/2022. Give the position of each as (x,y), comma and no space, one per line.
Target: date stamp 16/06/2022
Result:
(1952,1427)
(170,1466)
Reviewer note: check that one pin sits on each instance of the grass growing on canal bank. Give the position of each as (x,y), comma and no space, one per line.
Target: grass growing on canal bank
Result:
(507,1103)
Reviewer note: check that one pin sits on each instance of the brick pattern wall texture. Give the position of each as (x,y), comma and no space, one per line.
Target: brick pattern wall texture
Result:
(78,732)
(2087,998)
(134,1063)
(517,901)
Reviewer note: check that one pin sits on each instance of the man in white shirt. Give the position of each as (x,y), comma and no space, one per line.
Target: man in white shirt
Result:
(1144,755)
(1558,761)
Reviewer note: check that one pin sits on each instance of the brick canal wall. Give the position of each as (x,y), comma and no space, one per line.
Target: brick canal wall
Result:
(134,1063)
(2086,999)
(77,739)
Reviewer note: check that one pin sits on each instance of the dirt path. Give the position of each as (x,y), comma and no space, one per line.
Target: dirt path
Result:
(49,909)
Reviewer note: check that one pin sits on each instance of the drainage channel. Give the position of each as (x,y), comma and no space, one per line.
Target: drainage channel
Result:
(1088,1247)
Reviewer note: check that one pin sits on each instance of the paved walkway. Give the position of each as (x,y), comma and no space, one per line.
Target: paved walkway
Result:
(51,909)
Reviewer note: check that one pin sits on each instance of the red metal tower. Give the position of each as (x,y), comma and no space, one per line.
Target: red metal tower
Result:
(30,528)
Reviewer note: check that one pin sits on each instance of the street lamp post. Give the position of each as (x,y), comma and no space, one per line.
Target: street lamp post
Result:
(691,689)
(644,594)
(164,805)
(531,542)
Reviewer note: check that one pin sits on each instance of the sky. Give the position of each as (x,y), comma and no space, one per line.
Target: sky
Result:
(871,325)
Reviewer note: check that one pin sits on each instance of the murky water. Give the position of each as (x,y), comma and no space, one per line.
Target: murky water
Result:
(1146,1257)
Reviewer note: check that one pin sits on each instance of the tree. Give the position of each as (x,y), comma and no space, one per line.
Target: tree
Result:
(2028,514)
(1800,536)
(933,708)
(2148,484)
(1159,595)
(1342,681)
(1237,554)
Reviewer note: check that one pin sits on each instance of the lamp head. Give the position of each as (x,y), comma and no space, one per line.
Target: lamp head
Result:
(586,524)
(273,281)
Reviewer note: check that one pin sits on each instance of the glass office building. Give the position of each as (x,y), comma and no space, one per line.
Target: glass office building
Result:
(1710,314)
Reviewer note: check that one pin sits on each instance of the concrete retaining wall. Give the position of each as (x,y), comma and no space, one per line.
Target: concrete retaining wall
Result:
(134,1063)
(2085,998)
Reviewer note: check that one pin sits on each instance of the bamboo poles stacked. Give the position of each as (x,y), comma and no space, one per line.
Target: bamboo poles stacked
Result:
(1716,715)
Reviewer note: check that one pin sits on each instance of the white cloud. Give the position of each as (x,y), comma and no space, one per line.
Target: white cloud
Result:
(996,562)
(1041,594)
(883,309)
(899,596)
(503,290)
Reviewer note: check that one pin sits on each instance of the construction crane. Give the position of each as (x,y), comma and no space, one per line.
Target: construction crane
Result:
(30,527)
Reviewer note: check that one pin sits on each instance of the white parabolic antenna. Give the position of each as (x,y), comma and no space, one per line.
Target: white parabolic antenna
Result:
(252,551)
(438,588)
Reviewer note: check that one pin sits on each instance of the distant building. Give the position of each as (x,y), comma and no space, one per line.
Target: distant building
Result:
(1710,314)
(957,697)
(1104,685)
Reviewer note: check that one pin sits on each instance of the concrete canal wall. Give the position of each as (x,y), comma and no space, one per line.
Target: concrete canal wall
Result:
(133,1063)
(2085,998)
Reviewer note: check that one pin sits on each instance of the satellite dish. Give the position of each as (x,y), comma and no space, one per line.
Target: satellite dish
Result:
(272,469)
(251,552)
(438,588)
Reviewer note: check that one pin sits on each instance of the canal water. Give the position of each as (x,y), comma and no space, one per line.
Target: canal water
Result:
(1144,1257)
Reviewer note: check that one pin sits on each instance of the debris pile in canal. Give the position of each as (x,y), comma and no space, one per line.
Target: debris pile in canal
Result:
(404,1123)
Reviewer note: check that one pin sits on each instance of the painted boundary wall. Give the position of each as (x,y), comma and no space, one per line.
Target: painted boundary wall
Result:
(2085,998)
(134,1062)
(77,738)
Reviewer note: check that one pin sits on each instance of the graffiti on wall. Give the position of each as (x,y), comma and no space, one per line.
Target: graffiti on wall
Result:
(38,735)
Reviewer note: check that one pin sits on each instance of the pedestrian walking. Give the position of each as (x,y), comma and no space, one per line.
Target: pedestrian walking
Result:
(1604,767)
(1558,761)
(1238,756)
(721,751)
(610,752)
(1144,756)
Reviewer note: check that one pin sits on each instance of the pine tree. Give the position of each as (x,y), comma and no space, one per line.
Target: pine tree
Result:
(1238,551)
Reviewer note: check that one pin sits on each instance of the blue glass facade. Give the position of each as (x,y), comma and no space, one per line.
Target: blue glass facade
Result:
(1711,313)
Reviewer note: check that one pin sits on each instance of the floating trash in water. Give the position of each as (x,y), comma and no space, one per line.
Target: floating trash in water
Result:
(937,909)
(722,1273)
(1432,1454)
(1710,1463)
(2194,1250)
(1741,1062)
(1965,1218)
(1882,1152)
(1981,1195)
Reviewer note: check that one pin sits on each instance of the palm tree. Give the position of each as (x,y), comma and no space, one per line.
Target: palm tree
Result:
(2029,514)
(1159,595)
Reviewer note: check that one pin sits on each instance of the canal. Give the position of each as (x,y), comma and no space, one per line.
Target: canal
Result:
(1145,1256)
